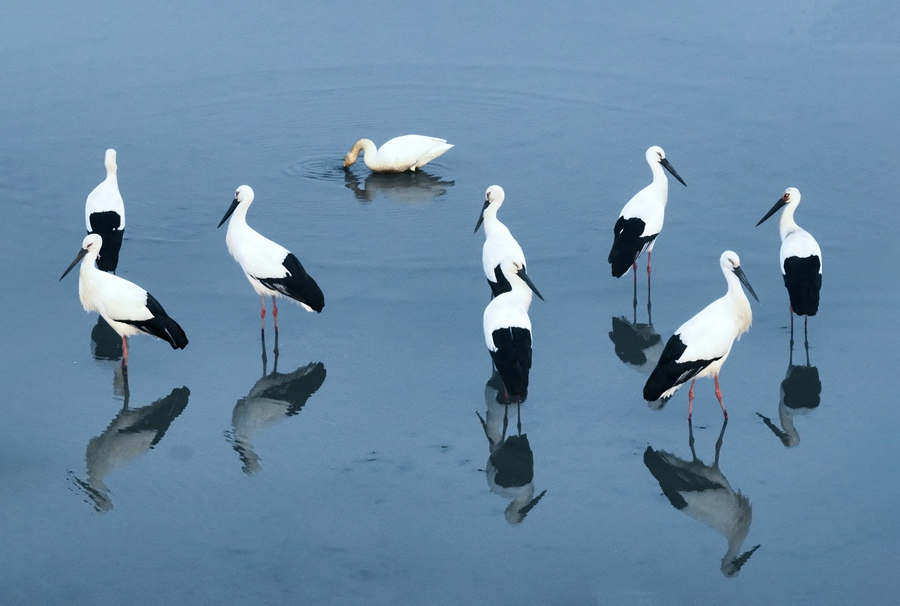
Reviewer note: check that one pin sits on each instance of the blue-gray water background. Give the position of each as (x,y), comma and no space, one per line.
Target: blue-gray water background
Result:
(375,492)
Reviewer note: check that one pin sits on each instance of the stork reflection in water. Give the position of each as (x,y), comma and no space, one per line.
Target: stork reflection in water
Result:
(801,392)
(131,433)
(510,465)
(702,492)
(637,344)
(274,398)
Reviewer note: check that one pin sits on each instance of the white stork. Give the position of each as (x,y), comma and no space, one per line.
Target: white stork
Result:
(126,307)
(701,345)
(271,269)
(104,214)
(801,258)
(507,331)
(499,243)
(641,218)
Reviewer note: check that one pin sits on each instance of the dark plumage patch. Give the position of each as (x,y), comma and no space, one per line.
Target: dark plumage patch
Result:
(160,325)
(669,372)
(675,479)
(501,285)
(514,462)
(106,225)
(803,282)
(513,360)
(297,284)
(628,244)
(159,415)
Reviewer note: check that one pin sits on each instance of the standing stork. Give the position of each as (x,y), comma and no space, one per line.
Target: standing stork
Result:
(499,243)
(271,269)
(104,214)
(126,307)
(507,331)
(701,345)
(641,218)
(801,259)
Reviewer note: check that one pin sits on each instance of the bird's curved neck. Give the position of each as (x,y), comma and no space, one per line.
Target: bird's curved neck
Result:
(736,295)
(786,224)
(491,222)
(660,182)
(369,151)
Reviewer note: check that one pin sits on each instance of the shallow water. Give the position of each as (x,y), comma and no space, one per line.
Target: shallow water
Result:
(365,477)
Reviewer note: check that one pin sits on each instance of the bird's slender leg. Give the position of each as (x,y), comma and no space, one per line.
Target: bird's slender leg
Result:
(634,304)
(275,313)
(649,315)
(719,395)
(649,256)
(124,353)
(805,335)
(262,311)
(275,365)
(791,312)
(634,271)
(719,441)
(519,418)
(792,336)
(690,401)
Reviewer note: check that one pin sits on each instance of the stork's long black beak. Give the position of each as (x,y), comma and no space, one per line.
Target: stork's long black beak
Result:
(781,203)
(481,216)
(78,257)
(740,274)
(234,204)
(528,281)
(668,166)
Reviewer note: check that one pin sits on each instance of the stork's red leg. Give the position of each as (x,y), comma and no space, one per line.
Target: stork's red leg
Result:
(719,395)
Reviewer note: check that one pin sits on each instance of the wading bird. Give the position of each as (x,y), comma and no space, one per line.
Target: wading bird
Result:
(801,258)
(104,214)
(507,331)
(271,269)
(641,218)
(408,152)
(499,243)
(126,307)
(701,345)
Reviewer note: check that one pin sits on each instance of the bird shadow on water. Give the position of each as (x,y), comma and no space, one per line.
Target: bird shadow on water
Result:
(510,465)
(801,392)
(637,344)
(273,398)
(702,492)
(409,187)
(130,434)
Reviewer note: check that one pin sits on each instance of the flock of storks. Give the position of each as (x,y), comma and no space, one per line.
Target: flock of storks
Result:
(698,348)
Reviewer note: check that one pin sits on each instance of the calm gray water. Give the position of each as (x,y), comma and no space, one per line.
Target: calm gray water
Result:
(365,478)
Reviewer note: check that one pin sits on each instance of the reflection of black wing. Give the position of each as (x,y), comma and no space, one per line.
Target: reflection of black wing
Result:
(674,478)
(801,387)
(294,388)
(632,340)
(159,415)
(514,462)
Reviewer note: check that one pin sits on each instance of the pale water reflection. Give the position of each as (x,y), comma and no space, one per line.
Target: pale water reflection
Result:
(703,493)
